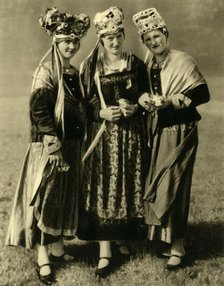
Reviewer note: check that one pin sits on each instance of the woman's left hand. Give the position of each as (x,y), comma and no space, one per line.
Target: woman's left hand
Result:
(129,109)
(162,102)
(94,103)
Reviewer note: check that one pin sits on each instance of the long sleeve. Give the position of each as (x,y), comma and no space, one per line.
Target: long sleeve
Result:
(42,103)
(42,112)
(198,95)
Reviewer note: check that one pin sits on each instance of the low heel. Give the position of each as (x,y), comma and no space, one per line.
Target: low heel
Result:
(123,256)
(57,260)
(104,271)
(46,279)
(178,262)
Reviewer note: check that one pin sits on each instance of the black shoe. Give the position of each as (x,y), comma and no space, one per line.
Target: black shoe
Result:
(46,279)
(164,254)
(59,259)
(104,271)
(177,263)
(124,256)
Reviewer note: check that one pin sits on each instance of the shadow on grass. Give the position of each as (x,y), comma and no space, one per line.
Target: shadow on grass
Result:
(204,241)
(88,253)
(84,252)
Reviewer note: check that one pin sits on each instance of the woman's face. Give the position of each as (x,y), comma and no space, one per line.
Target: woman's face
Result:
(113,43)
(68,48)
(156,42)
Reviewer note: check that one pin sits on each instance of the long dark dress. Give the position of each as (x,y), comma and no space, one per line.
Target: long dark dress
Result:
(174,141)
(45,206)
(114,174)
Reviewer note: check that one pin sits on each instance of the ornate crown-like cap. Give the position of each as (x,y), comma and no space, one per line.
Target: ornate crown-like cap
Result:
(109,21)
(148,20)
(55,23)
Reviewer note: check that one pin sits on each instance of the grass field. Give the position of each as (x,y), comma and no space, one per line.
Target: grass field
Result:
(206,231)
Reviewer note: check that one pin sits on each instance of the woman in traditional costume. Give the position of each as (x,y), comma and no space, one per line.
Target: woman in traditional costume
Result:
(45,208)
(177,87)
(114,163)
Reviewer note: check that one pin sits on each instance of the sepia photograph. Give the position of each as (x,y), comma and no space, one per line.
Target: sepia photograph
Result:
(111,137)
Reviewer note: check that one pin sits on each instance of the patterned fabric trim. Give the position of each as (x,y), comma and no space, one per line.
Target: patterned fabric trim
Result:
(116,78)
(180,101)
(42,77)
(127,58)
(51,144)
(184,126)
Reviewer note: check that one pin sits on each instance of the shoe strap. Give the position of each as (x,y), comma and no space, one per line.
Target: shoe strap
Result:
(175,255)
(46,264)
(105,257)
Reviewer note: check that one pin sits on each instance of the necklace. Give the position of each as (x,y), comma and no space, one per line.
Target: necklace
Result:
(67,69)
(119,65)
(158,65)
(160,62)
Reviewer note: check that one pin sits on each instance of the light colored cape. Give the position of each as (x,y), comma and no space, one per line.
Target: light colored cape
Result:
(179,73)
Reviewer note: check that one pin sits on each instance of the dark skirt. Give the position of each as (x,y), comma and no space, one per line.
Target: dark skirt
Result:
(114,179)
(168,185)
(52,212)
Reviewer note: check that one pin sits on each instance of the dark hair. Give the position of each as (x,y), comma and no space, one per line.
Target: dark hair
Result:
(163,30)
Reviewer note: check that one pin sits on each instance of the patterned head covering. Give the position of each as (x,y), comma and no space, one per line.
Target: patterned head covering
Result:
(56,23)
(109,21)
(148,20)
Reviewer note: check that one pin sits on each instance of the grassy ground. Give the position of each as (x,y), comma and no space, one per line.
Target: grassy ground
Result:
(205,242)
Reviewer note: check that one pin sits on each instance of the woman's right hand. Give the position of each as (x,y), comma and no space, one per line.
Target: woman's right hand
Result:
(146,102)
(56,159)
(111,113)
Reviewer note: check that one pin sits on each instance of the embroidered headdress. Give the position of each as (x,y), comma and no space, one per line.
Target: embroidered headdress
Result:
(148,20)
(61,26)
(56,23)
(109,21)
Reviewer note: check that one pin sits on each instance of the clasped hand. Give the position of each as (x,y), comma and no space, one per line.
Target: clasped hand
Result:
(127,107)
(94,102)
(114,113)
(111,113)
(153,102)
(57,160)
